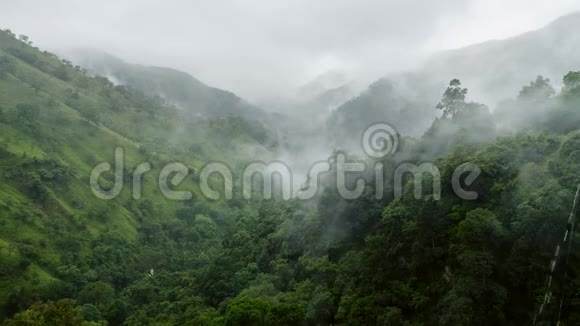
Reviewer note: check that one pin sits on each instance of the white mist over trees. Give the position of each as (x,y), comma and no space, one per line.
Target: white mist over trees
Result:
(406,250)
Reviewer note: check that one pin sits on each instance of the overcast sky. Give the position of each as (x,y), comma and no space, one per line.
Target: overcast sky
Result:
(262,48)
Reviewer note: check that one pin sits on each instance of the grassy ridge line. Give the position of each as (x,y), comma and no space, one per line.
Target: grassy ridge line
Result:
(80,122)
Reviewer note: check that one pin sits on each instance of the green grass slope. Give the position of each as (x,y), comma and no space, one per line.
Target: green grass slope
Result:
(56,124)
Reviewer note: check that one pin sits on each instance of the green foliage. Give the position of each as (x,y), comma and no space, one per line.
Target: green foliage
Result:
(6,67)
(572,82)
(453,99)
(70,259)
(61,313)
(97,293)
(246,311)
(27,113)
(537,89)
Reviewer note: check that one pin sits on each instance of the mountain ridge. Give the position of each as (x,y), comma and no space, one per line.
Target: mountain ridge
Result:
(177,87)
(493,71)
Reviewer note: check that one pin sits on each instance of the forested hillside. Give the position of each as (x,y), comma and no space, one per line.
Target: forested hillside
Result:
(69,258)
(495,71)
(57,123)
(169,85)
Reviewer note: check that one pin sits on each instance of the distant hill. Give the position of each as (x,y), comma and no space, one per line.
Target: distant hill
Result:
(383,101)
(434,255)
(492,71)
(56,123)
(496,70)
(175,87)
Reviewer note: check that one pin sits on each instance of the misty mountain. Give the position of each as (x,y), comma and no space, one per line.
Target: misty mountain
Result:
(323,83)
(492,71)
(135,195)
(383,101)
(495,70)
(312,112)
(173,86)
(311,103)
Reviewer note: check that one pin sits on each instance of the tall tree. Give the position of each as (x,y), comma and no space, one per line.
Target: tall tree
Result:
(537,89)
(572,82)
(453,99)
